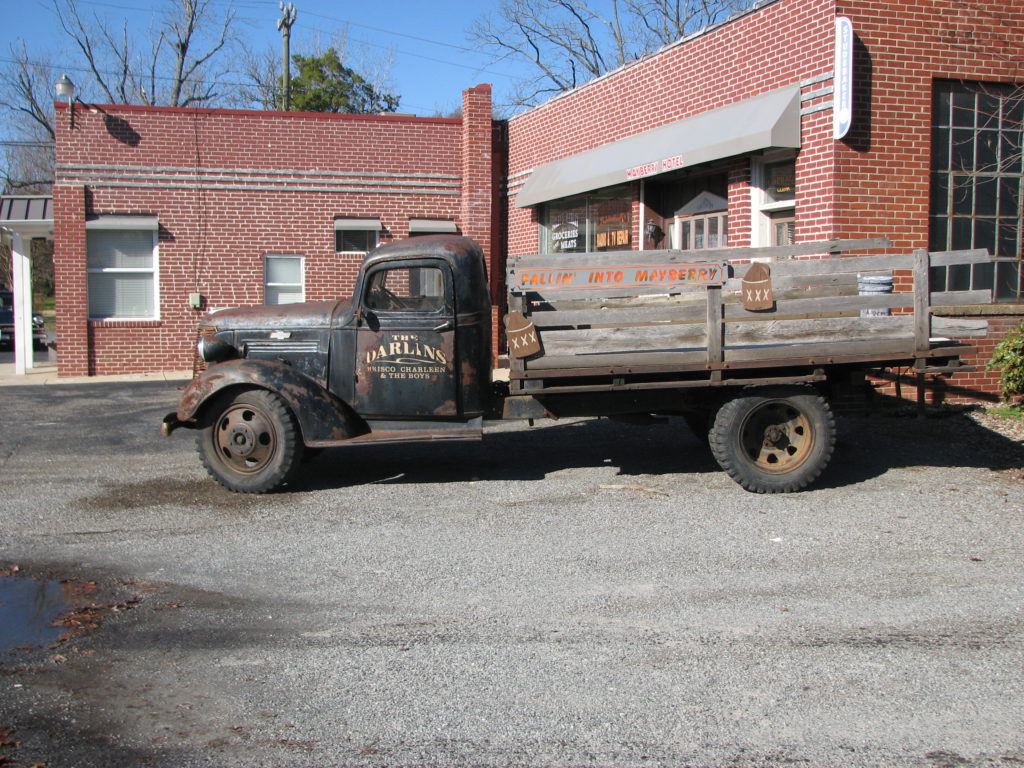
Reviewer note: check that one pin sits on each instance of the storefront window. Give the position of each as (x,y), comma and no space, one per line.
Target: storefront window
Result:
(597,221)
(773,179)
(976,199)
(780,182)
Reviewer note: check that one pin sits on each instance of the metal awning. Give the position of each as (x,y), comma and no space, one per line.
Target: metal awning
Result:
(130,221)
(432,226)
(760,122)
(367,224)
(30,215)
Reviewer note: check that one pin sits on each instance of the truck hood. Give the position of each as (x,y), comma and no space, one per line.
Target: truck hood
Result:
(310,314)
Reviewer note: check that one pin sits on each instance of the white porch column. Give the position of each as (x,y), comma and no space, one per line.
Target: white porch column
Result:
(22,304)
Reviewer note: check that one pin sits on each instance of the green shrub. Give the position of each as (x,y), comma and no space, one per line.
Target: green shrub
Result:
(1008,358)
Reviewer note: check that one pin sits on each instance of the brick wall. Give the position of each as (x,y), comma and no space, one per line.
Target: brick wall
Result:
(230,187)
(873,182)
(783,43)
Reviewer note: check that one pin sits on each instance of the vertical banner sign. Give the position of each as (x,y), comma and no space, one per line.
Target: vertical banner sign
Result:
(842,96)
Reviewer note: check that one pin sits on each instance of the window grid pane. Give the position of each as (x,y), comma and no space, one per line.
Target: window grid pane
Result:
(354,240)
(976,182)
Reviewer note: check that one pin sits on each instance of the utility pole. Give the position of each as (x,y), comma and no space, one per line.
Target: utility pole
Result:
(284,26)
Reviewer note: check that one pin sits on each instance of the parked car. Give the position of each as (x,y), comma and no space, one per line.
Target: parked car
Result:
(7,324)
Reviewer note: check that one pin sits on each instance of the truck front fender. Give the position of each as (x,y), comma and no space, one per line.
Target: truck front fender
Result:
(321,415)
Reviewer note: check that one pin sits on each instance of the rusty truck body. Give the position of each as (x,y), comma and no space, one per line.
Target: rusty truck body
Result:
(745,345)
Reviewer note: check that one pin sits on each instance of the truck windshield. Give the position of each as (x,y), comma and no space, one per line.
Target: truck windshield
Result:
(405,289)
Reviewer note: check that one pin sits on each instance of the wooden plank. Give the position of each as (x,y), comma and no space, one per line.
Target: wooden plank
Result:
(861,352)
(599,363)
(837,330)
(824,353)
(613,258)
(838,280)
(777,255)
(687,337)
(641,339)
(959,327)
(693,312)
(957,298)
(688,308)
(824,305)
(870,263)
(834,265)
(610,292)
(922,318)
(950,258)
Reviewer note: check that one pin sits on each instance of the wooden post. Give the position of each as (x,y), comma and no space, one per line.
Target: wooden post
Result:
(714,327)
(922,317)
(922,320)
(516,365)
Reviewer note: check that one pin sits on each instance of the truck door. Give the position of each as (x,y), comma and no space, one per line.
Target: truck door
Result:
(405,342)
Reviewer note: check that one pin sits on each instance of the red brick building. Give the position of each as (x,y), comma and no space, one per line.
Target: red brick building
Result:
(163,214)
(726,137)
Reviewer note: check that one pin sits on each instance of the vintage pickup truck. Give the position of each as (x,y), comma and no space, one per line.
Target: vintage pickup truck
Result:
(745,345)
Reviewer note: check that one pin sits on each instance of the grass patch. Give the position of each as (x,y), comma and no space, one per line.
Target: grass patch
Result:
(1007,411)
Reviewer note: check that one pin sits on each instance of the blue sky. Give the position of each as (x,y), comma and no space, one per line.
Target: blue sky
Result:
(432,60)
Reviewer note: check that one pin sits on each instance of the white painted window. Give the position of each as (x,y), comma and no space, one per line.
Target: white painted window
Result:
(122,273)
(283,279)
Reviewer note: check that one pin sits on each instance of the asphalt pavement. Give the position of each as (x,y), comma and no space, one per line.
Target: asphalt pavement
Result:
(582,593)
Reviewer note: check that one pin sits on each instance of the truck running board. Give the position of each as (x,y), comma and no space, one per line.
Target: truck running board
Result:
(383,432)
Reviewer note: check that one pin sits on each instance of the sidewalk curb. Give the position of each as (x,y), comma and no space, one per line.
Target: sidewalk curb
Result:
(47,375)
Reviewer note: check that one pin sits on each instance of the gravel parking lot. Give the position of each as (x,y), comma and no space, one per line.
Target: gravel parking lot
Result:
(587,593)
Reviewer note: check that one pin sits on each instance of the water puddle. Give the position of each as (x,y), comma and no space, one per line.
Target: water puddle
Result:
(28,610)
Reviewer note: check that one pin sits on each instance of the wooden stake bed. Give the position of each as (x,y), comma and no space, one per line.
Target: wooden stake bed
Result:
(665,319)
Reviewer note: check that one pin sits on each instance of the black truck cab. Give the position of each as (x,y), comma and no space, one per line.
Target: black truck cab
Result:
(407,358)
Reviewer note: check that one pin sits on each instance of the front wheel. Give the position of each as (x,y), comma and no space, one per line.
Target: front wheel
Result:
(250,443)
(774,439)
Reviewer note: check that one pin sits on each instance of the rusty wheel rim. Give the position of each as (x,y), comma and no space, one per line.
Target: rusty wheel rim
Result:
(246,439)
(776,437)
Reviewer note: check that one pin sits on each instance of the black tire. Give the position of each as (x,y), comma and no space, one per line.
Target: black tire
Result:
(250,442)
(774,439)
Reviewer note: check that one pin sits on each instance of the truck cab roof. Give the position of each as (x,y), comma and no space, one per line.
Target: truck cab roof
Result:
(464,257)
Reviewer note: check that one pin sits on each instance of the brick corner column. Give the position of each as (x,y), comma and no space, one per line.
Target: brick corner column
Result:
(71,280)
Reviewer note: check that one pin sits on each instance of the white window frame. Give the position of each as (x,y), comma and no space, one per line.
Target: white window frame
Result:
(302,276)
(761,207)
(123,223)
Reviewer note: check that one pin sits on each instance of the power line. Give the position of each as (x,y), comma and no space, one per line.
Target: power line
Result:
(360,41)
(87,71)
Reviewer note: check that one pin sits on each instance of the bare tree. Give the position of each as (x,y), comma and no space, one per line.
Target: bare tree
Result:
(571,41)
(25,89)
(175,70)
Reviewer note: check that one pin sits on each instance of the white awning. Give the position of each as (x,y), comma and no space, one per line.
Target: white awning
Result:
(760,122)
(28,215)
(432,226)
(369,224)
(122,222)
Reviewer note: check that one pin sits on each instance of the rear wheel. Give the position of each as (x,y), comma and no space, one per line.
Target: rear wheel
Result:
(251,442)
(774,439)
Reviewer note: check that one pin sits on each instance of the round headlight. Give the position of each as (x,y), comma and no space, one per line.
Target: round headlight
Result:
(213,350)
